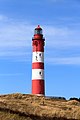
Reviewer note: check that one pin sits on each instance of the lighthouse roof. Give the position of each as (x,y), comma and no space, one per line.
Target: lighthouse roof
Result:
(38,28)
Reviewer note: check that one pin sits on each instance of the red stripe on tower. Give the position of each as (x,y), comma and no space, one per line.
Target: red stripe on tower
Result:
(38,85)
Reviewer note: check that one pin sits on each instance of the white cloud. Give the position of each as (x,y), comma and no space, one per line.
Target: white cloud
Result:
(15,34)
(3,18)
(14,37)
(14,53)
(63,37)
(11,74)
(19,34)
(64,60)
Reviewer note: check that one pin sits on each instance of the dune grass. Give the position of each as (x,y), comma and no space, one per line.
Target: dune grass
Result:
(31,107)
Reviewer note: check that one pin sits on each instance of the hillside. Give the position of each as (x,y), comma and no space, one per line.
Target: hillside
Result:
(31,107)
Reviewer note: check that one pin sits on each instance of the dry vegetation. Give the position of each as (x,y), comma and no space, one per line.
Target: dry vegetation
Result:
(31,107)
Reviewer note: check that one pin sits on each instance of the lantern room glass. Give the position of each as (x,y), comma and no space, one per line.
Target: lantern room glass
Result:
(38,32)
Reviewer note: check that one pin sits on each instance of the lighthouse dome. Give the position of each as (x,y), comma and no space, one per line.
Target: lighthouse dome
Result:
(38,30)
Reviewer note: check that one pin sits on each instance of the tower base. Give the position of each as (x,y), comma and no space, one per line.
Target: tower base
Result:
(38,87)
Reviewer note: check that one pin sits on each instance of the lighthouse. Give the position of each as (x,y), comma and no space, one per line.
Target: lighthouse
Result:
(38,42)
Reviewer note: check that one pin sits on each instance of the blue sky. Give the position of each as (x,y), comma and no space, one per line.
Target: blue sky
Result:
(60,20)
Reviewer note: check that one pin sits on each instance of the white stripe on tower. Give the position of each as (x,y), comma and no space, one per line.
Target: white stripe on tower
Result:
(38,57)
(37,74)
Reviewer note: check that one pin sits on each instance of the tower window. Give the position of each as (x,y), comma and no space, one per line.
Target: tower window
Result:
(40,73)
(40,54)
(36,58)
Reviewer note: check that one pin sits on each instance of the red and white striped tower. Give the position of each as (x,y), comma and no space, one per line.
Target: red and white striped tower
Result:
(38,86)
